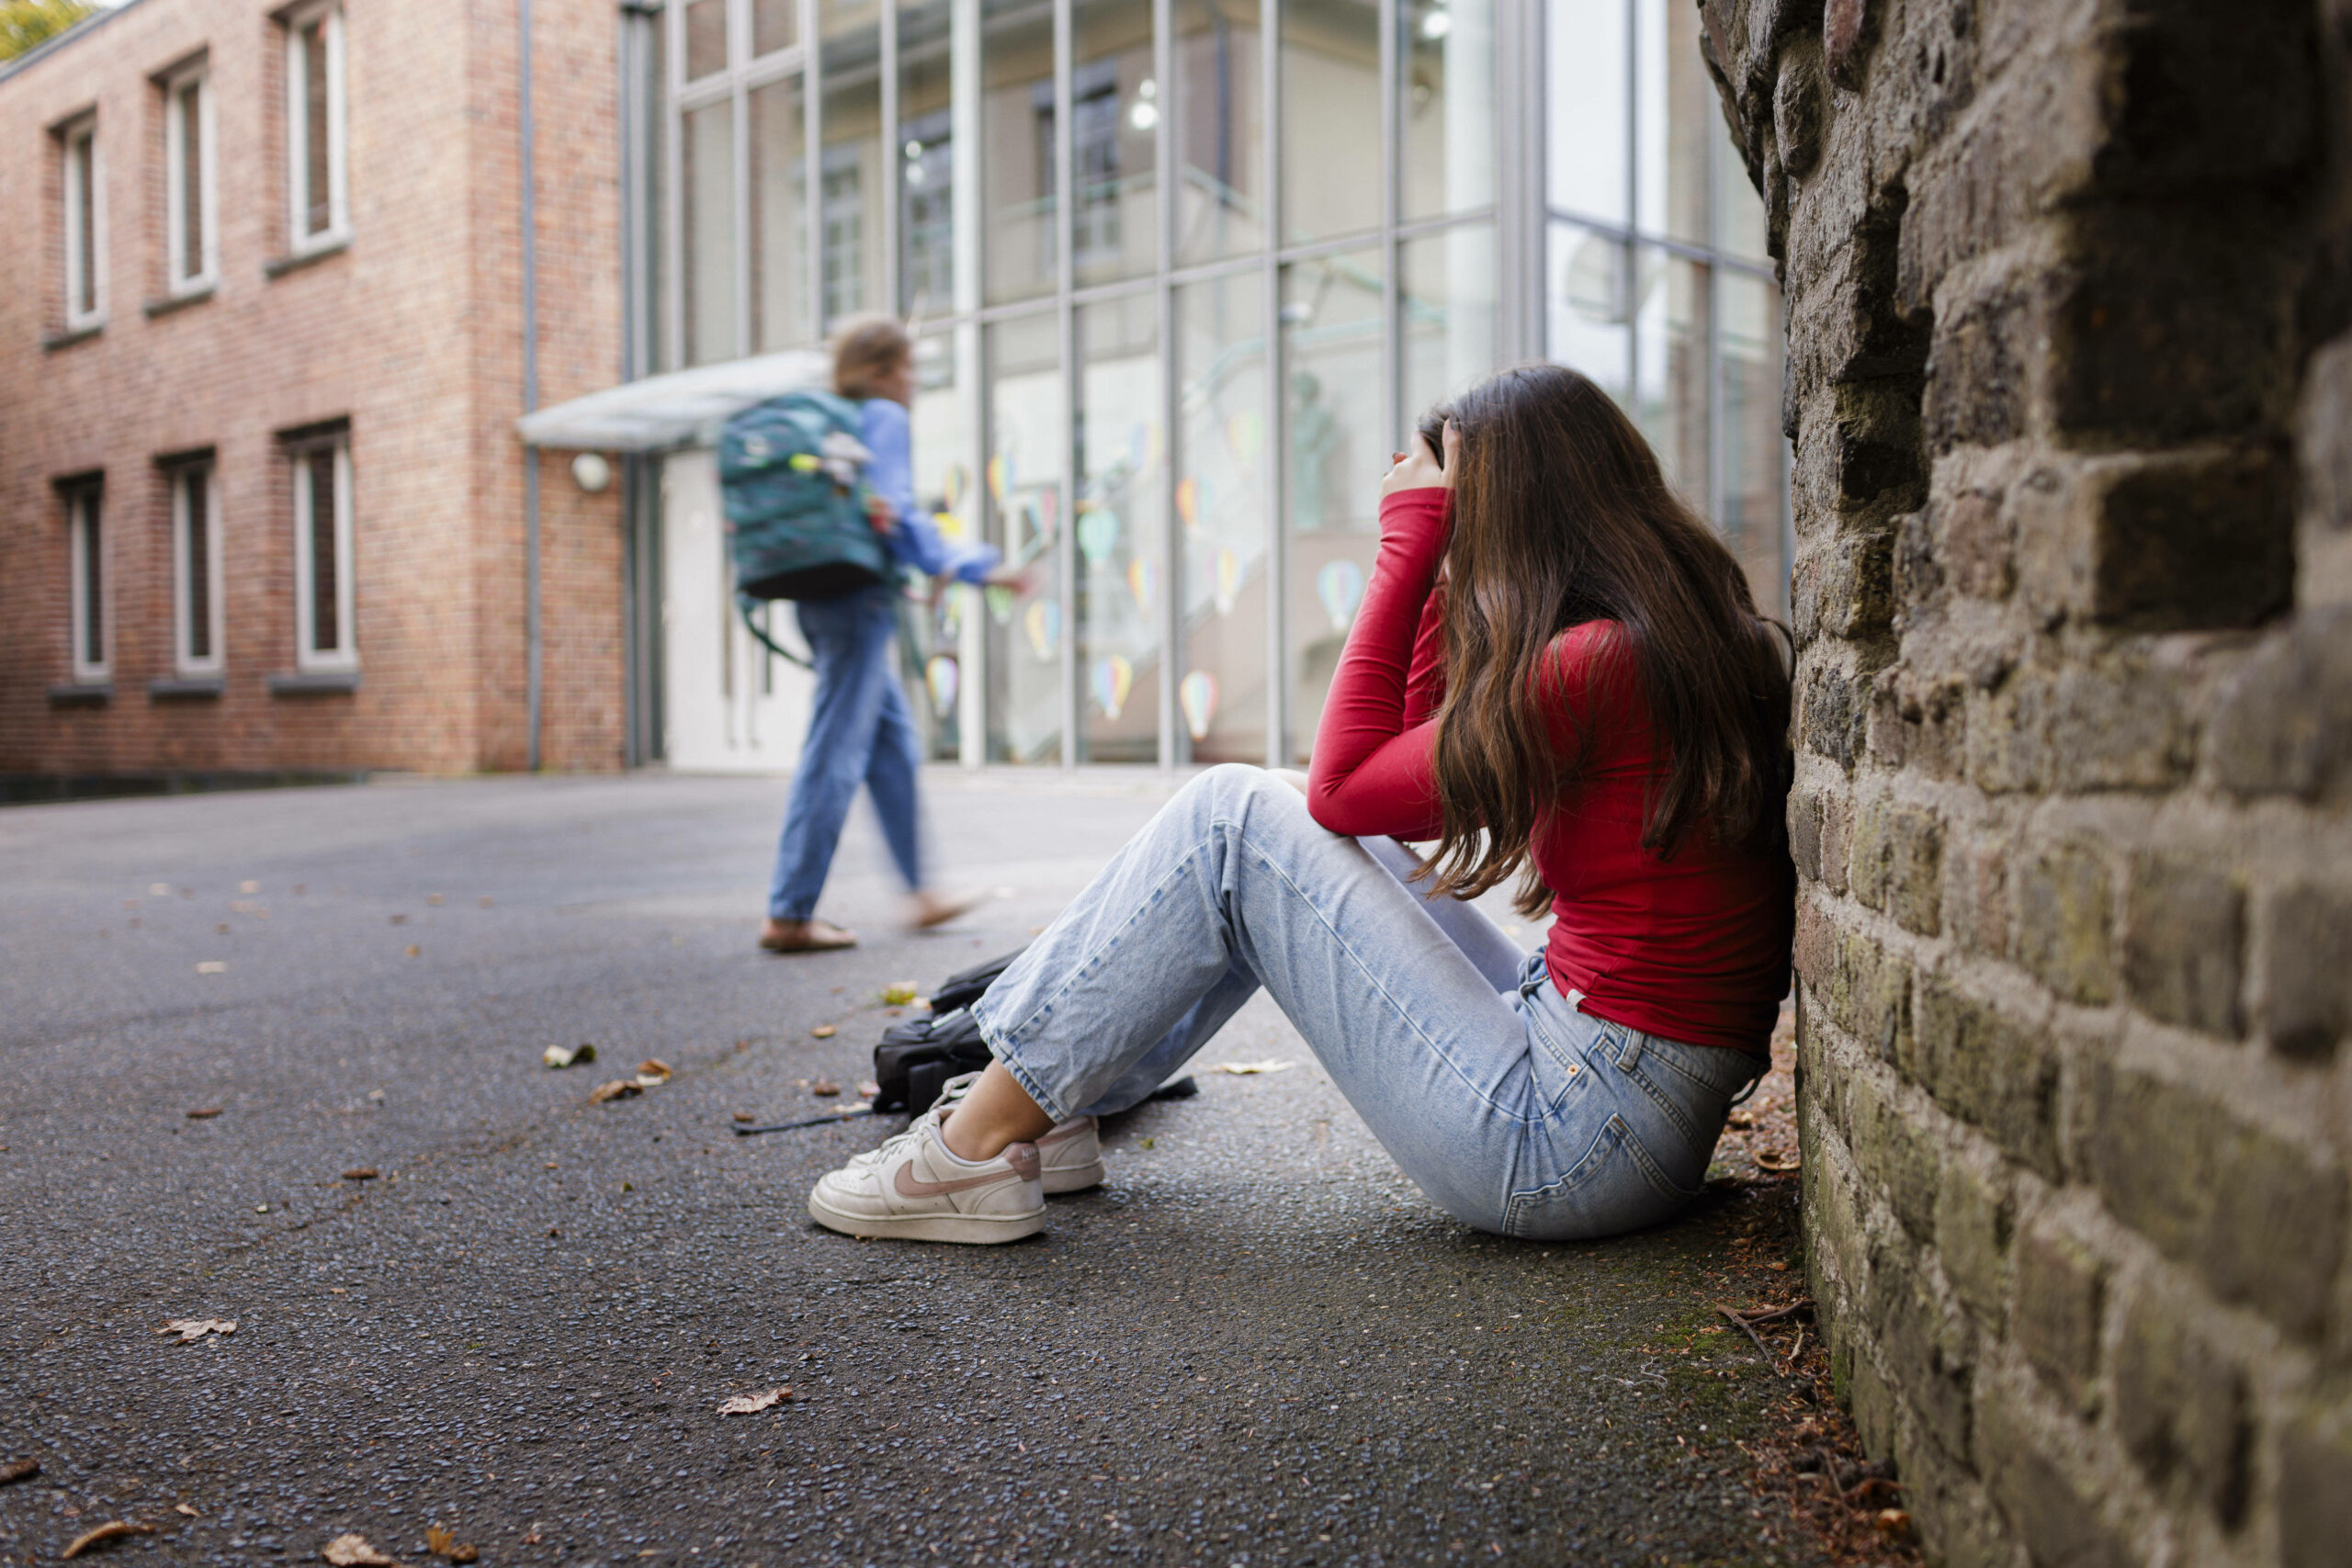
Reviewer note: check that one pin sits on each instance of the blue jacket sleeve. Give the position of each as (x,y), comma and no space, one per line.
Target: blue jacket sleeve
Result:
(890,473)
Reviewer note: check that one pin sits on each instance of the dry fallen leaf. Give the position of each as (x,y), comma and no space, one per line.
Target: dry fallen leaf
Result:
(652,1073)
(568,1055)
(745,1116)
(204,1113)
(212,966)
(868,1087)
(361,1173)
(1245,1067)
(619,1089)
(1773,1159)
(1895,1524)
(824,1087)
(898,993)
(413,950)
(184,1508)
(442,1543)
(822,1031)
(108,1531)
(745,1404)
(351,1550)
(192,1328)
(18,1470)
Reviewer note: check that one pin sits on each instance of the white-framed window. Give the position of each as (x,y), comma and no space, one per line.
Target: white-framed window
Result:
(197,625)
(323,566)
(318,211)
(86,552)
(191,229)
(86,224)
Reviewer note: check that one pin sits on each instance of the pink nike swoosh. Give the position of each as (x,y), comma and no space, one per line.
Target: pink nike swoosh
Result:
(910,1185)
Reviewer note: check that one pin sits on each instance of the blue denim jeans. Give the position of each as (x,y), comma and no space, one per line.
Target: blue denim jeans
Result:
(859,733)
(1512,1110)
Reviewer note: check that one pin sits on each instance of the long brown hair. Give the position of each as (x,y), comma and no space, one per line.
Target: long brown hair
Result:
(1560,517)
(867,348)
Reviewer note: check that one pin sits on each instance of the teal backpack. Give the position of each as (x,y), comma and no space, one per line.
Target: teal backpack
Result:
(797,526)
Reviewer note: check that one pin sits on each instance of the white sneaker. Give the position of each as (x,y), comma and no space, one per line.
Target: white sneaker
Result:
(913,1187)
(1070,1157)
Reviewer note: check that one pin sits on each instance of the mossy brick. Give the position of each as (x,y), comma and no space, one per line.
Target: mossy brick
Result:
(1849,590)
(2324,435)
(2063,902)
(1975,899)
(1813,950)
(2284,723)
(2260,1218)
(2184,943)
(1805,832)
(1894,1153)
(2061,1290)
(2315,1490)
(1837,838)
(1832,714)
(1946,1502)
(2307,971)
(2168,325)
(1874,1402)
(1874,991)
(1926,1346)
(1873,452)
(2058,1518)
(1990,1071)
(1980,369)
(2180,1409)
(1896,861)
(1973,1234)
(2189,541)
(1975,547)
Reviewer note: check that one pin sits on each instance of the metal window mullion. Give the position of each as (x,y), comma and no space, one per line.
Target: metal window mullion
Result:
(1534,172)
(887,232)
(1629,258)
(1073,386)
(1272,114)
(812,194)
(739,184)
(1163,145)
(1392,340)
(972,362)
(673,170)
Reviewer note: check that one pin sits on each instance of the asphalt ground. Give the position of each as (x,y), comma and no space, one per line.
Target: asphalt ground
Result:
(1256,1343)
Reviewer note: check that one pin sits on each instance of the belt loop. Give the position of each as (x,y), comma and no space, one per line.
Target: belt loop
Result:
(1629,1049)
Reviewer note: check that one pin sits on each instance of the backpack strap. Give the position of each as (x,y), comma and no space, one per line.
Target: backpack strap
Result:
(744,604)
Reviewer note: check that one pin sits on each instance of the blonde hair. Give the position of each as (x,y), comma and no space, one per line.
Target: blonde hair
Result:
(866,348)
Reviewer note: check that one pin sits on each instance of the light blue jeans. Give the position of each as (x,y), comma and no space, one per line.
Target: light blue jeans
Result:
(1513,1111)
(859,733)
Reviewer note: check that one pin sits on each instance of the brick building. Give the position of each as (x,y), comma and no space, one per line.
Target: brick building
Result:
(2070,350)
(262,504)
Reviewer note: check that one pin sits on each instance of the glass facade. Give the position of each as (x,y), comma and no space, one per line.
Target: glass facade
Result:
(1183,272)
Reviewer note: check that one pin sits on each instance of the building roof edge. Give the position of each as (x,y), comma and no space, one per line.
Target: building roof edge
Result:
(56,43)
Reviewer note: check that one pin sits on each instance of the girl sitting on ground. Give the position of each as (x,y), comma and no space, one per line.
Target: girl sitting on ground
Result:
(1557,672)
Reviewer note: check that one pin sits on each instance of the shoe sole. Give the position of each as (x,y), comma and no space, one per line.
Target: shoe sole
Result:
(982,1230)
(1077,1179)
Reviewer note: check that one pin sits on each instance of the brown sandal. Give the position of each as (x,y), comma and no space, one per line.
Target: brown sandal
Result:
(805,936)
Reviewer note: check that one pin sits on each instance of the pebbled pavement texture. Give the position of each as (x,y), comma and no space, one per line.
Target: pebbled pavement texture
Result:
(1256,1344)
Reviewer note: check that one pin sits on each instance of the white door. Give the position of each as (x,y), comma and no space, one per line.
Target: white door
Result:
(729,705)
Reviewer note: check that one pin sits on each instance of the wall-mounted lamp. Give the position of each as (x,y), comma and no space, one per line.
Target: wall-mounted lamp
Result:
(591,472)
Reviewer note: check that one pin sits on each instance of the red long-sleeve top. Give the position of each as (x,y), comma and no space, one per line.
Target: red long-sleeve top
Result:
(1694,947)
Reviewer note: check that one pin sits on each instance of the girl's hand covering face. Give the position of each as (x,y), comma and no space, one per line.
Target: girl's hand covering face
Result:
(1420,468)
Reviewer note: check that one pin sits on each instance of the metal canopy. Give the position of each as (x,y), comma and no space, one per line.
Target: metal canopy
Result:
(685,408)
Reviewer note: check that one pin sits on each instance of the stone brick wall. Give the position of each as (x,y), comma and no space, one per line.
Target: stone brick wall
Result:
(413,334)
(2069,291)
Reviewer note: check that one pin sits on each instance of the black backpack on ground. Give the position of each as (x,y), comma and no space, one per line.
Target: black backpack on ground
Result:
(918,1055)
